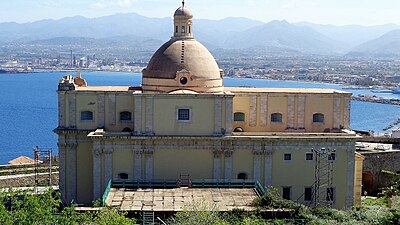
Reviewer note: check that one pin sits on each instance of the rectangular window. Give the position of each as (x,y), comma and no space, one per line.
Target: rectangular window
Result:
(287,193)
(86,116)
(309,156)
(183,114)
(238,116)
(308,194)
(330,194)
(332,156)
(287,156)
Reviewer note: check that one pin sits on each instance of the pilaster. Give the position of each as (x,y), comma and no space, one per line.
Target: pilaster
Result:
(112,108)
(218,115)
(137,151)
(346,112)
(257,153)
(268,165)
(291,109)
(96,170)
(149,114)
(101,110)
(336,113)
(138,114)
(149,161)
(108,163)
(228,115)
(350,175)
(71,162)
(62,166)
(264,110)
(61,109)
(301,112)
(253,111)
(228,163)
(72,109)
(217,160)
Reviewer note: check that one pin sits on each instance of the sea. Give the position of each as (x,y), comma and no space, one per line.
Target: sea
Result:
(28,107)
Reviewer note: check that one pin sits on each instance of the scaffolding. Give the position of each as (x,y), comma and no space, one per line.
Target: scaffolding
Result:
(42,156)
(323,195)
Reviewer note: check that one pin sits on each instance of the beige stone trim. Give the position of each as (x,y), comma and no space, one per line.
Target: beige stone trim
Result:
(301,112)
(218,116)
(101,110)
(264,110)
(138,114)
(291,111)
(112,107)
(72,109)
(253,111)
(96,153)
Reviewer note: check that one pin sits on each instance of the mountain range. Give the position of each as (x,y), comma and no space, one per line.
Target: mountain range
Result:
(134,30)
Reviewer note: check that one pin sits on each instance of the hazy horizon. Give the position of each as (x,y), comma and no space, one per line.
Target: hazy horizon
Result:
(339,12)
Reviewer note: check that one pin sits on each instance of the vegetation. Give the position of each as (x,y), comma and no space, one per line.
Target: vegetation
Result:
(25,208)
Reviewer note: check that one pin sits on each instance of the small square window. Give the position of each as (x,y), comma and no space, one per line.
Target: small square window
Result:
(330,194)
(183,114)
(287,156)
(287,193)
(332,156)
(309,156)
(308,194)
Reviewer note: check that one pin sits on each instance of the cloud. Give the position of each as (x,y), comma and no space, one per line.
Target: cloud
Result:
(112,3)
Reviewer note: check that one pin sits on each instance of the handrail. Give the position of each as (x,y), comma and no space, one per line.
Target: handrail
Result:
(106,192)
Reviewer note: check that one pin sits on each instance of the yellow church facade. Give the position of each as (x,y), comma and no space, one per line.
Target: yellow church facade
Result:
(182,120)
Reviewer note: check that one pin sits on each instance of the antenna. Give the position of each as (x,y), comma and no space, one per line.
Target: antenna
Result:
(183,3)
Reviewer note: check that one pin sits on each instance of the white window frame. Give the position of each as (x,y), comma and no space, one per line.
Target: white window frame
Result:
(125,121)
(276,122)
(287,160)
(318,122)
(190,115)
(305,157)
(87,121)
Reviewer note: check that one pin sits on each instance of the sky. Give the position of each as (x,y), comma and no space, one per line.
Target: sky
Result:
(336,12)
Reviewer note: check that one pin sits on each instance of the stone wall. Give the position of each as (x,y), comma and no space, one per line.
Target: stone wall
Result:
(373,165)
(27,181)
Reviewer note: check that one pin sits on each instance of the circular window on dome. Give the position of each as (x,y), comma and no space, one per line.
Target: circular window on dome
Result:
(183,80)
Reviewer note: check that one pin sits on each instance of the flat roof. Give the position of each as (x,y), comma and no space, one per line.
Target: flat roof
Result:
(179,199)
(284,90)
(235,90)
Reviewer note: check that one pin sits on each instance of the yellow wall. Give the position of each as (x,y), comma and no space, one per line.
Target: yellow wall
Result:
(124,103)
(84,173)
(169,164)
(358,179)
(84,102)
(165,116)
(278,103)
(242,162)
(123,162)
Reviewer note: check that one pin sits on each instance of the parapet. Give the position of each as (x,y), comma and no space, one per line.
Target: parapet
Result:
(69,83)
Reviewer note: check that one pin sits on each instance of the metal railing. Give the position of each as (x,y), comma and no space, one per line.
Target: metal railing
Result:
(171,183)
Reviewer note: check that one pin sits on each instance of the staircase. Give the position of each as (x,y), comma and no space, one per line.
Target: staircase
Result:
(184,180)
(148,218)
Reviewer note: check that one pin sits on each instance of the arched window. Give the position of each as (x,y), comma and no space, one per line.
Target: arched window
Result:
(87,116)
(125,116)
(238,116)
(183,29)
(238,129)
(276,117)
(318,118)
(176,29)
(242,176)
(123,176)
(127,129)
(190,29)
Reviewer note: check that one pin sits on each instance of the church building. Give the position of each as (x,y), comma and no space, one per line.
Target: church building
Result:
(182,120)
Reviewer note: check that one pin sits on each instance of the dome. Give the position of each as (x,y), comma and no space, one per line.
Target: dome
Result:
(184,12)
(182,63)
(182,54)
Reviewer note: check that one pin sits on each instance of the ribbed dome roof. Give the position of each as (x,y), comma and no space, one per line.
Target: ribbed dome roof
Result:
(183,11)
(178,54)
